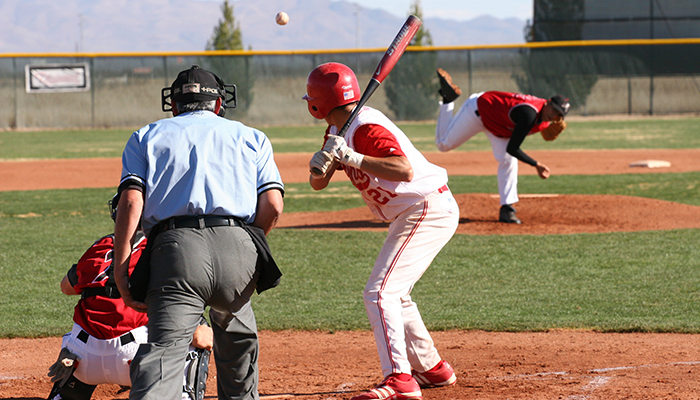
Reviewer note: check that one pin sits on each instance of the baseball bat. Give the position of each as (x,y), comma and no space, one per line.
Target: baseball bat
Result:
(386,64)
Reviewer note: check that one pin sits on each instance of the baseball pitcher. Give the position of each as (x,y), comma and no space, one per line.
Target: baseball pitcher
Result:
(506,119)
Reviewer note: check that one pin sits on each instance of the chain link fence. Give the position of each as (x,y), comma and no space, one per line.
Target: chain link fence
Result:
(124,90)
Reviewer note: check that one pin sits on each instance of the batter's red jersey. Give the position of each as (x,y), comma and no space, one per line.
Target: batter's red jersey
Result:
(100,316)
(495,108)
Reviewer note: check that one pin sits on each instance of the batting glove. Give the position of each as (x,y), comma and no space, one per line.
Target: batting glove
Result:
(62,369)
(337,146)
(319,164)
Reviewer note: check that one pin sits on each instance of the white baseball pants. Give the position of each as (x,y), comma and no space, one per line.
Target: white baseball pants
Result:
(107,361)
(415,237)
(103,361)
(453,130)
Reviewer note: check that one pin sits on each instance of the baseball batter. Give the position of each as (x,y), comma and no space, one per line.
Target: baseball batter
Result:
(399,185)
(106,333)
(506,119)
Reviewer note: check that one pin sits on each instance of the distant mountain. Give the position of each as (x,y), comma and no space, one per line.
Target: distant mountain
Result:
(97,26)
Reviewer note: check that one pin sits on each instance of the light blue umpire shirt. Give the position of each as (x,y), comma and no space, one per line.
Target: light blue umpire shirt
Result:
(198,163)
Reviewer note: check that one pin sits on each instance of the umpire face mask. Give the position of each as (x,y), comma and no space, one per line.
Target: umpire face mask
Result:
(196,85)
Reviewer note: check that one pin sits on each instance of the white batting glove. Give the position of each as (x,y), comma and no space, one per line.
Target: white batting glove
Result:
(337,146)
(318,166)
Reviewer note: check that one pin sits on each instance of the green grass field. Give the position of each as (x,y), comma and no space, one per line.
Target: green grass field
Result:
(643,133)
(644,281)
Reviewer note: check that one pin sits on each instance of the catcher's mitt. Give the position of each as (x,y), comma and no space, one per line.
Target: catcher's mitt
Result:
(63,368)
(553,130)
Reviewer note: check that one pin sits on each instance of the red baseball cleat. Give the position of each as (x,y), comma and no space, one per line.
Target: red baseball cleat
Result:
(394,387)
(440,375)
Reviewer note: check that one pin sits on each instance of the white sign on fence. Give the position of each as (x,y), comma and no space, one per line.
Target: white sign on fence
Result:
(57,78)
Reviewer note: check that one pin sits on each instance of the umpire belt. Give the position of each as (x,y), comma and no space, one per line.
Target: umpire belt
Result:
(123,339)
(200,222)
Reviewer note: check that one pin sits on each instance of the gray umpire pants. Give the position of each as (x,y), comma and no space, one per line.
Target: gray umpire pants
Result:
(191,269)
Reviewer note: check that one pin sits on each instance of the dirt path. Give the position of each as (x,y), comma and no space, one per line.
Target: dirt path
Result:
(571,365)
(105,172)
(489,365)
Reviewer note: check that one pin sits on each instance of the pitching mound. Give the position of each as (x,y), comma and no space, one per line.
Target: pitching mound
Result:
(541,214)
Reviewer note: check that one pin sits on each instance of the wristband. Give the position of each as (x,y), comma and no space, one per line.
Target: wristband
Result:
(353,159)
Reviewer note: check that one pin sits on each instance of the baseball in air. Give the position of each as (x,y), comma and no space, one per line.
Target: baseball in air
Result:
(282,18)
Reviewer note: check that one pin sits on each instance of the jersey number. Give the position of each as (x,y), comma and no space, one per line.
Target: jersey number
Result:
(380,196)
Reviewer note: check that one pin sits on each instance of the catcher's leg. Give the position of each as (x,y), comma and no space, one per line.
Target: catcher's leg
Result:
(73,389)
(196,372)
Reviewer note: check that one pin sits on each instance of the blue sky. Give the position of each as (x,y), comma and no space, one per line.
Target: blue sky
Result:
(456,9)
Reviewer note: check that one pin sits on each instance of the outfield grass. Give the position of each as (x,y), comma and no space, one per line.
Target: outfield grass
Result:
(609,282)
(646,281)
(646,133)
(641,281)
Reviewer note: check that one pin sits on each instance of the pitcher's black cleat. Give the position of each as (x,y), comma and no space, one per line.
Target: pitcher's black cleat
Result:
(507,215)
(448,90)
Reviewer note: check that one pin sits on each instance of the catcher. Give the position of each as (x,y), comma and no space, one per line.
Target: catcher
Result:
(506,119)
(106,333)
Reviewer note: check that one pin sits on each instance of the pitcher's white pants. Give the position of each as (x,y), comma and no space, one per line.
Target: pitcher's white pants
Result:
(414,239)
(453,130)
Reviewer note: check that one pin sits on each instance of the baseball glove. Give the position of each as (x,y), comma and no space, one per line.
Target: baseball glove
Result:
(63,368)
(553,130)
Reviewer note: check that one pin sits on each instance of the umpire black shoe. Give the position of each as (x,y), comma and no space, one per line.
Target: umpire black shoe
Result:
(448,90)
(507,215)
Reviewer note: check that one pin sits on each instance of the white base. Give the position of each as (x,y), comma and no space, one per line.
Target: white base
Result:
(651,164)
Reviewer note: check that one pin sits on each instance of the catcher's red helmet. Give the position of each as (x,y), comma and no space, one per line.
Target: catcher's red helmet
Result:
(328,86)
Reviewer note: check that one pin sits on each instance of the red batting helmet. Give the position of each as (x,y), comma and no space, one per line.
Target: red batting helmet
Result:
(328,86)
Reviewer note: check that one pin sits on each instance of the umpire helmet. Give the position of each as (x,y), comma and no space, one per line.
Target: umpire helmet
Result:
(328,86)
(194,85)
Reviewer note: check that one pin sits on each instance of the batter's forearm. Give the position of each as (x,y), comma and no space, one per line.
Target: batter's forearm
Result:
(393,168)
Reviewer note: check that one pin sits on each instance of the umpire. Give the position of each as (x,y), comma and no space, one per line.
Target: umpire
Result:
(207,191)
